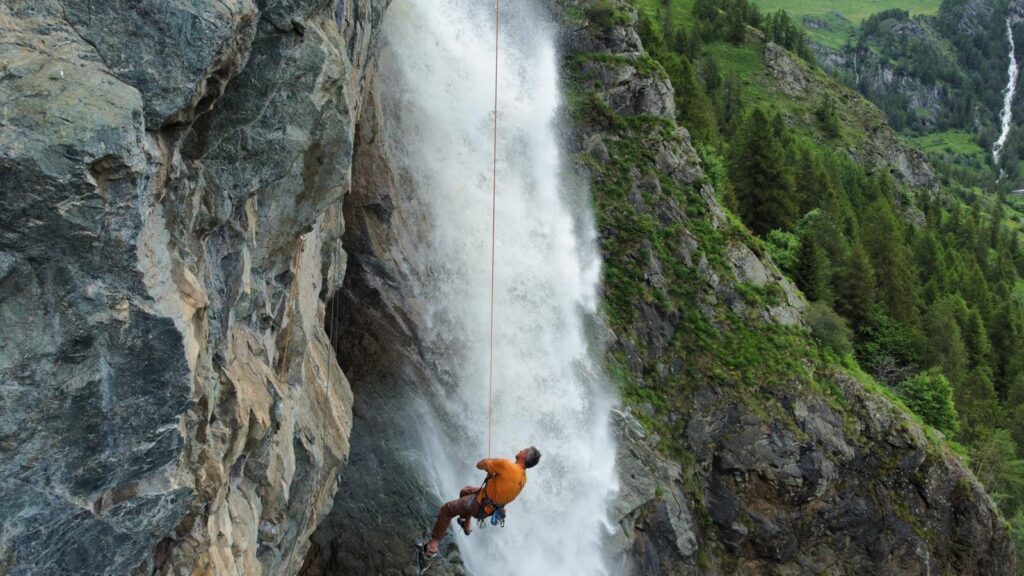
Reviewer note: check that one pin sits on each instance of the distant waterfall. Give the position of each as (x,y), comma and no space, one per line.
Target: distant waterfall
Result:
(1011,89)
(436,76)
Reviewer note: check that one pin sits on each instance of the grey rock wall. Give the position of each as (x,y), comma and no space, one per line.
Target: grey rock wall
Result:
(385,503)
(170,175)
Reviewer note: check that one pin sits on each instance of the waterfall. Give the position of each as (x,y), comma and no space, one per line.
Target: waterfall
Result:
(1006,117)
(436,79)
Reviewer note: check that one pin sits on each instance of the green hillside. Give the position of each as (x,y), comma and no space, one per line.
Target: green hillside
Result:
(925,272)
(834,21)
(853,10)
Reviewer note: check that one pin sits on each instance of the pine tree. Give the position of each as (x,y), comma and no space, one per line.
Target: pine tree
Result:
(978,405)
(814,271)
(762,179)
(710,75)
(828,118)
(928,258)
(735,27)
(979,350)
(693,108)
(896,277)
(730,109)
(1006,329)
(943,346)
(856,287)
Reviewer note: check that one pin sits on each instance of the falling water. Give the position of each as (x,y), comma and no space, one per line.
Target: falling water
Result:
(1011,88)
(437,75)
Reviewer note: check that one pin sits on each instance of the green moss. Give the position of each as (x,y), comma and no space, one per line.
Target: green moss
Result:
(644,64)
(770,294)
(606,13)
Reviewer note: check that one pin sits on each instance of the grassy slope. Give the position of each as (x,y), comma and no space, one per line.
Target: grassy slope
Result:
(951,145)
(840,15)
(678,11)
(857,116)
(779,346)
(854,10)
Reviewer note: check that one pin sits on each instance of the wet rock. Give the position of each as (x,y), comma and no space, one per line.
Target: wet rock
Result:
(178,55)
(385,503)
(657,531)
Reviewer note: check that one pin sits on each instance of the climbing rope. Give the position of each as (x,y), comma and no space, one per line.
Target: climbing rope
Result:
(494,203)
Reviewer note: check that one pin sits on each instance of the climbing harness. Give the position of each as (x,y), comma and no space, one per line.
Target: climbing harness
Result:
(497,511)
(497,518)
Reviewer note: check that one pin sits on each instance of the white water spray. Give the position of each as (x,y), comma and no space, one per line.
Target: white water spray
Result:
(1011,89)
(436,77)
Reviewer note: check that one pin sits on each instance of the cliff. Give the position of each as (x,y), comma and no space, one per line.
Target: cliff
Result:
(170,174)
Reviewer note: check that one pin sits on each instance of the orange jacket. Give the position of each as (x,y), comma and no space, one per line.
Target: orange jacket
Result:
(505,480)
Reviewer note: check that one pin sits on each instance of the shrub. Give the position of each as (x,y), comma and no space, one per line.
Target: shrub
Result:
(930,396)
(605,14)
(1017,532)
(829,328)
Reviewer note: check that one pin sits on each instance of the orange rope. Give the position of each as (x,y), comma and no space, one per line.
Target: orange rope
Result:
(494,201)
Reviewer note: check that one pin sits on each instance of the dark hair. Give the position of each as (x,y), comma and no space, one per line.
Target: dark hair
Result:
(532,457)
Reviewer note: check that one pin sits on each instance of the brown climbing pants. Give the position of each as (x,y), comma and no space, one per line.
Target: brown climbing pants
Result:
(464,507)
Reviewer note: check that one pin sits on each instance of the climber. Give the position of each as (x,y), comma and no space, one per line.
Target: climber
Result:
(505,479)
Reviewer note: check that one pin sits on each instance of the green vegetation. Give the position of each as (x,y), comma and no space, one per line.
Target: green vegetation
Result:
(853,10)
(830,329)
(834,23)
(929,395)
(952,147)
(915,286)
(678,14)
(686,24)
(919,294)
(605,13)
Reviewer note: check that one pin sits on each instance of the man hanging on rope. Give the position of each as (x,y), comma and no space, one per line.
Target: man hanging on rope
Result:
(505,479)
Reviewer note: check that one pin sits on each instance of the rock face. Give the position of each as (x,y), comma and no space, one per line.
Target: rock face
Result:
(881,148)
(657,529)
(170,174)
(776,480)
(380,511)
(878,79)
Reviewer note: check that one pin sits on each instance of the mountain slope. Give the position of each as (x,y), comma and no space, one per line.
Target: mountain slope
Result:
(933,74)
(789,460)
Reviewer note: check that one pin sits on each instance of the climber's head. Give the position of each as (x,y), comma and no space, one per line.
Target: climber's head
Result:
(528,457)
